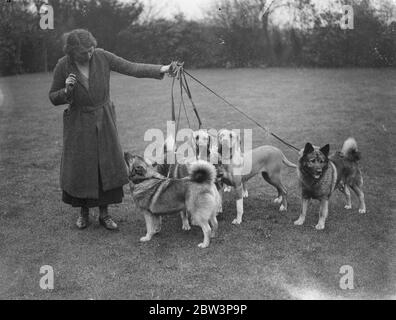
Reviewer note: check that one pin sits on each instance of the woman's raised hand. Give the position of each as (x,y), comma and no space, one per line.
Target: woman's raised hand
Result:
(173,68)
(70,82)
(166,69)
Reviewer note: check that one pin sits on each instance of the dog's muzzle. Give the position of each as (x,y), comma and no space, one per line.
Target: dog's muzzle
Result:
(317,174)
(136,174)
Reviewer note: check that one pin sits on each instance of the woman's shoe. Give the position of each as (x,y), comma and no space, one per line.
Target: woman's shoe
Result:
(108,223)
(83,219)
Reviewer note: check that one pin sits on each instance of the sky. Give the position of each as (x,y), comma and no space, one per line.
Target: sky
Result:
(192,9)
(195,9)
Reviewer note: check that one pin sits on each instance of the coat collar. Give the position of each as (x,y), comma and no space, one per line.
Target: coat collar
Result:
(73,68)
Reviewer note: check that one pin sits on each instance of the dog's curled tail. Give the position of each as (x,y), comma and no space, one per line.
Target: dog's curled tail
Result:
(202,171)
(350,150)
(287,162)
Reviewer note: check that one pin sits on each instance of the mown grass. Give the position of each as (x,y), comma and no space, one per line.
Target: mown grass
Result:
(266,257)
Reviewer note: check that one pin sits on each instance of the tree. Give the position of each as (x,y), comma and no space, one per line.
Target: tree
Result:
(247,26)
(106,18)
(369,44)
(17,26)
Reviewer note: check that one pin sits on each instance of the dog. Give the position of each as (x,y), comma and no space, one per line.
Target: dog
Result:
(156,195)
(180,170)
(176,171)
(320,174)
(173,170)
(204,145)
(266,160)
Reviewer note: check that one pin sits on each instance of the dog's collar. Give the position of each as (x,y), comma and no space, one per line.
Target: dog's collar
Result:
(139,181)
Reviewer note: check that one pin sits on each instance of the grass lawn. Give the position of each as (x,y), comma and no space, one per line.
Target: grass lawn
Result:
(266,257)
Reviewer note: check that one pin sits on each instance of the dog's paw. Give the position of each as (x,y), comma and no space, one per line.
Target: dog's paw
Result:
(186,227)
(145,239)
(245,194)
(203,245)
(282,208)
(278,200)
(362,210)
(348,207)
(236,221)
(319,226)
(299,222)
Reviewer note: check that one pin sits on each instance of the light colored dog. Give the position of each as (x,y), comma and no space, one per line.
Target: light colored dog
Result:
(180,169)
(204,144)
(266,160)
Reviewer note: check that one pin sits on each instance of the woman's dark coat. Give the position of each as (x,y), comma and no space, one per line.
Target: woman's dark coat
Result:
(90,138)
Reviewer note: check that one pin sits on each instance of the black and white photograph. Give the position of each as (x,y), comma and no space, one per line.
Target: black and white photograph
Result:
(216,151)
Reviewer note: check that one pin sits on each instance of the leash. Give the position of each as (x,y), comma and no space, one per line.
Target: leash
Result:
(177,73)
(243,113)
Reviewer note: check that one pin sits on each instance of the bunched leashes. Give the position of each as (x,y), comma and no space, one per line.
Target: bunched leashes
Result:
(178,73)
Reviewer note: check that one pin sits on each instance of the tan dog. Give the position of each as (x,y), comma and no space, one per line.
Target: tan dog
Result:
(204,143)
(238,168)
(156,195)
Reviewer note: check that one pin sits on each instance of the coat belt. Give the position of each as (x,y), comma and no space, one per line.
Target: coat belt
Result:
(95,107)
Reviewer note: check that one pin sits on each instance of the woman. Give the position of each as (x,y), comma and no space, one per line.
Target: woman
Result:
(92,169)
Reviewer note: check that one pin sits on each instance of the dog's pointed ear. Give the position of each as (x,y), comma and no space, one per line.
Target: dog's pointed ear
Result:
(325,150)
(308,148)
